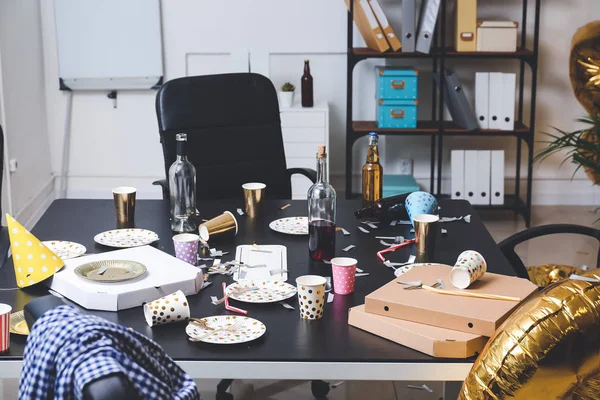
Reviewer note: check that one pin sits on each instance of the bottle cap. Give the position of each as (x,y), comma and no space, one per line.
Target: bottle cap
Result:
(321,153)
(181,137)
(373,134)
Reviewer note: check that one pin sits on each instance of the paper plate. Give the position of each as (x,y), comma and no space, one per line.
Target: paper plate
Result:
(18,325)
(125,238)
(115,270)
(65,249)
(291,225)
(250,329)
(265,292)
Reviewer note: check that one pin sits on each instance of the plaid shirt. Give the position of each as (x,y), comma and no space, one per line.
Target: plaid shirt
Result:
(66,350)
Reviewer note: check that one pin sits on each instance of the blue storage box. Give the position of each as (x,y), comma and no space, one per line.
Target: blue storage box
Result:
(397,114)
(399,184)
(397,84)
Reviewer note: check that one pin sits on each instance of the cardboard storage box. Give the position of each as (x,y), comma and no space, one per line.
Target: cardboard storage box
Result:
(165,275)
(466,314)
(497,36)
(437,342)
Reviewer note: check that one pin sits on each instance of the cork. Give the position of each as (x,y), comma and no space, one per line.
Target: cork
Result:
(321,153)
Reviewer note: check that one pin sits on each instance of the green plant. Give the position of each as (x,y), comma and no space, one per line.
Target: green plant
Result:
(582,147)
(288,87)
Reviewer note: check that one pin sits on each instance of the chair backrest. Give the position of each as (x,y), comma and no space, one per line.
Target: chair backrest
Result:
(233,129)
(507,246)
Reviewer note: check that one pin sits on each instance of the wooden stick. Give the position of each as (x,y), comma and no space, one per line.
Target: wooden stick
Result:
(471,294)
(286,206)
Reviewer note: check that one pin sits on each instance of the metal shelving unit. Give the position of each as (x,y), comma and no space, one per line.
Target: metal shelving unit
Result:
(437,128)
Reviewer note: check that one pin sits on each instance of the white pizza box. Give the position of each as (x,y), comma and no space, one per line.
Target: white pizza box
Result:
(165,275)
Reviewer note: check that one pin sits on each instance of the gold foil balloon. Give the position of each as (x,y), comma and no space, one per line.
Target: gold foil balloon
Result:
(549,348)
(543,275)
(584,67)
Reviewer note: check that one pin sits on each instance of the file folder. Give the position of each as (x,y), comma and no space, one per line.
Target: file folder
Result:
(509,89)
(495,100)
(429,14)
(466,25)
(457,171)
(456,101)
(497,174)
(409,31)
(390,35)
(482,97)
(471,175)
(368,26)
(482,196)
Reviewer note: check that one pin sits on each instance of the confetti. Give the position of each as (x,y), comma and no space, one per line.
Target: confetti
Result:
(206,284)
(330,297)
(327,261)
(393,223)
(444,231)
(239,211)
(286,305)
(372,225)
(348,248)
(583,278)
(405,222)
(363,229)
(363,274)
(205,258)
(202,266)
(422,387)
(359,270)
(286,206)
(345,232)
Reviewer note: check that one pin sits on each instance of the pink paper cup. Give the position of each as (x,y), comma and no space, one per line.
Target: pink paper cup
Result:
(5,310)
(344,274)
(186,247)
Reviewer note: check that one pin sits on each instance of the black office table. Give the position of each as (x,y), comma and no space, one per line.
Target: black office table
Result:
(292,348)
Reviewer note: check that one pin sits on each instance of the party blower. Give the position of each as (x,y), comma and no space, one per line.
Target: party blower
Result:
(420,203)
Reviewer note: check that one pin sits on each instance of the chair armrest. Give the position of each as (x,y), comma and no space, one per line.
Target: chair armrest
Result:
(307,172)
(164,186)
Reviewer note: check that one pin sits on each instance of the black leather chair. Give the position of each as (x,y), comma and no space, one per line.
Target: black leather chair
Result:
(507,246)
(4,241)
(234,134)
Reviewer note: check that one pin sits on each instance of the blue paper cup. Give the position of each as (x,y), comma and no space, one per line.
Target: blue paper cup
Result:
(420,203)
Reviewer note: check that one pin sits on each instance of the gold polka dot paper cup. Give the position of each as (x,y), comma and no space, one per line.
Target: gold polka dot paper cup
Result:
(168,309)
(469,267)
(311,296)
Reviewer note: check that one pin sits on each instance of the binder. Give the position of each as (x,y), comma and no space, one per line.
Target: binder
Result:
(471,175)
(482,97)
(482,196)
(497,181)
(456,101)
(389,33)
(368,26)
(495,100)
(466,25)
(457,171)
(509,89)
(429,14)
(409,31)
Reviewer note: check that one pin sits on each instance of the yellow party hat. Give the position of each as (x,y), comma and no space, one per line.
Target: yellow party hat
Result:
(33,261)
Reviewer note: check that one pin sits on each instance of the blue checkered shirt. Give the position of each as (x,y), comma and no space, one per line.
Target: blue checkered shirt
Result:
(66,350)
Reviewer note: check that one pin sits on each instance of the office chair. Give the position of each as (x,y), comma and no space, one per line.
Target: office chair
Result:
(233,131)
(4,240)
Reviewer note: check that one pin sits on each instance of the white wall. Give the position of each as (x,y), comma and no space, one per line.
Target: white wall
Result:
(117,146)
(22,94)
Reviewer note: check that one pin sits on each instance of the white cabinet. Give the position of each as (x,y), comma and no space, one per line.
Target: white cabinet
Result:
(304,129)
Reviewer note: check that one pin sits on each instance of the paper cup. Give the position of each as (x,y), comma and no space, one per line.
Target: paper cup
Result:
(168,309)
(5,310)
(186,247)
(469,267)
(124,197)
(311,296)
(344,274)
(253,197)
(426,228)
(420,203)
(222,225)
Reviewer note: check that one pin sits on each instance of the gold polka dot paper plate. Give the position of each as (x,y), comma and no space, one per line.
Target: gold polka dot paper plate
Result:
(260,292)
(125,238)
(65,249)
(225,329)
(109,271)
(291,225)
(18,326)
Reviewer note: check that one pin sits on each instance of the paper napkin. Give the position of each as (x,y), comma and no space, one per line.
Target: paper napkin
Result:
(33,261)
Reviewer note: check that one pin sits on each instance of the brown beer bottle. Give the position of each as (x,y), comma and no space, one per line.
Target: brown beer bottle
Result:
(372,173)
(307,86)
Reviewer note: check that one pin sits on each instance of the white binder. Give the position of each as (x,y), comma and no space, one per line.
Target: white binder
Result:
(497,173)
(482,196)
(429,14)
(409,31)
(471,175)
(509,89)
(496,106)
(457,164)
(482,97)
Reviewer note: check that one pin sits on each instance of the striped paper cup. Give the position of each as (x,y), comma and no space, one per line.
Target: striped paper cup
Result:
(5,310)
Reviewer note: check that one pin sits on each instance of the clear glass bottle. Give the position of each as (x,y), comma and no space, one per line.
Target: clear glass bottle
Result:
(321,213)
(182,189)
(372,173)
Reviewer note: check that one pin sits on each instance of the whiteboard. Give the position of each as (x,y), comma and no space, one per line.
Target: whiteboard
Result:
(109,44)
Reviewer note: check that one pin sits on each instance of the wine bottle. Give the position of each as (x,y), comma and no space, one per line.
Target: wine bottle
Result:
(182,189)
(372,173)
(307,86)
(321,213)
(386,209)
